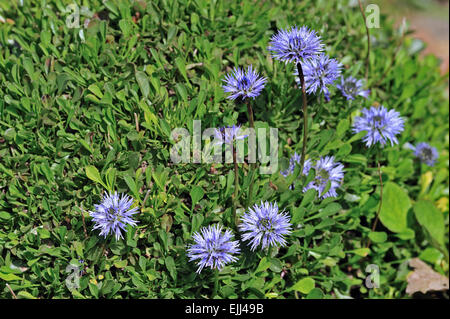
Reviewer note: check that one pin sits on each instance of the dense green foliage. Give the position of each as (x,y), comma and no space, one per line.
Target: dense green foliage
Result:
(90,109)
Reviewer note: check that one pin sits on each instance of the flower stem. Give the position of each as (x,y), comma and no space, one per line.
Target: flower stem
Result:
(374,226)
(236,187)
(216,283)
(252,165)
(250,114)
(269,252)
(368,40)
(349,111)
(305,115)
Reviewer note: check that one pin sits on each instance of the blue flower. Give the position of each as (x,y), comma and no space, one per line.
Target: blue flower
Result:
(319,72)
(381,125)
(293,161)
(113,214)
(327,170)
(351,87)
(229,135)
(213,248)
(243,84)
(426,153)
(264,225)
(295,44)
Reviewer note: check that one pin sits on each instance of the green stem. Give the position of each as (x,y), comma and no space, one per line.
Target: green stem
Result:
(349,111)
(320,100)
(305,115)
(216,283)
(269,252)
(374,226)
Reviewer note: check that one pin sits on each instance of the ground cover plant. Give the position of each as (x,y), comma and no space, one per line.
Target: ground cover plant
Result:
(93,206)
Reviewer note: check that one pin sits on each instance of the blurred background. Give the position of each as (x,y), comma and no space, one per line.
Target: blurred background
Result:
(428,18)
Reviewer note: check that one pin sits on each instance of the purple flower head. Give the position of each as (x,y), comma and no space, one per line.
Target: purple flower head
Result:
(351,87)
(319,72)
(113,214)
(264,225)
(293,161)
(243,84)
(213,248)
(327,170)
(381,125)
(426,153)
(229,135)
(295,44)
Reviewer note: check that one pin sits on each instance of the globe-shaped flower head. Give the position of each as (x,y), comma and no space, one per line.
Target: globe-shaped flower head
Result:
(264,225)
(229,135)
(426,153)
(351,88)
(295,44)
(213,248)
(381,125)
(243,84)
(113,214)
(293,161)
(327,170)
(319,73)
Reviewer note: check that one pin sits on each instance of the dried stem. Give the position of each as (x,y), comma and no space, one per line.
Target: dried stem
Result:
(236,186)
(252,165)
(136,120)
(305,115)
(368,40)
(12,292)
(84,225)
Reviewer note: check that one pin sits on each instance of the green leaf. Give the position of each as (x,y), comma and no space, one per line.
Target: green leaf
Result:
(316,293)
(96,90)
(431,255)
(378,237)
(9,277)
(25,295)
(93,174)
(406,234)
(342,127)
(144,85)
(132,186)
(305,285)
(197,222)
(309,196)
(394,208)
(330,209)
(276,265)
(430,218)
(363,252)
(182,68)
(263,265)
(196,194)
(111,7)
(120,263)
(170,264)
(111,178)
